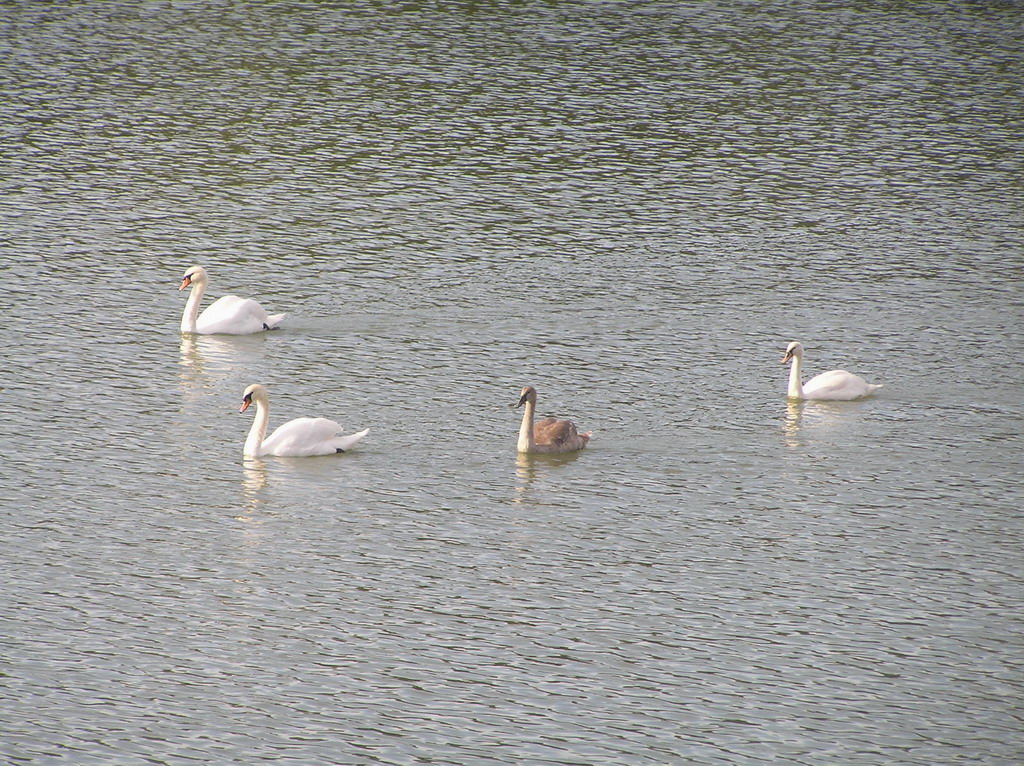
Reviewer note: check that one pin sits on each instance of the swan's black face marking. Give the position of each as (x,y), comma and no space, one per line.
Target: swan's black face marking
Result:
(529,393)
(266,326)
(339,451)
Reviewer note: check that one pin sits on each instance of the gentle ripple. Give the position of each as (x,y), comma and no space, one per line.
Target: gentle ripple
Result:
(634,206)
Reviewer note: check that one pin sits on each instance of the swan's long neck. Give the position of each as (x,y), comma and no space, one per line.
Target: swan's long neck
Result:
(526,428)
(195,296)
(796,389)
(259,429)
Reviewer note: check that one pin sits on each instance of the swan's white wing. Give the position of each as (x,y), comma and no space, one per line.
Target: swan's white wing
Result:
(304,437)
(235,316)
(301,437)
(837,385)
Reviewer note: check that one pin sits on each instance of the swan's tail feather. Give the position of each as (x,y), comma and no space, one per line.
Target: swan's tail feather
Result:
(345,443)
(273,321)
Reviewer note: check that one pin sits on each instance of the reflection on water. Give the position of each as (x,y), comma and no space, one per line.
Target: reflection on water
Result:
(540,470)
(206,359)
(191,361)
(526,472)
(810,421)
(255,479)
(791,428)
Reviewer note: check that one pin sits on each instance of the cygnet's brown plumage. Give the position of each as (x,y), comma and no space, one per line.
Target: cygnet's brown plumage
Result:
(548,435)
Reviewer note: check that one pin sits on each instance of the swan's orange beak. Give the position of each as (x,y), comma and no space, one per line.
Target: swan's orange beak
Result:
(245,404)
(185,283)
(787,357)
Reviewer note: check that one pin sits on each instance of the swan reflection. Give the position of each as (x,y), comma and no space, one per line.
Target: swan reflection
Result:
(807,422)
(255,479)
(205,359)
(191,359)
(526,471)
(791,428)
(537,469)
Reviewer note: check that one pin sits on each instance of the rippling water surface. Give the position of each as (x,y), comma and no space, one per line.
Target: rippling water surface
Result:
(633,206)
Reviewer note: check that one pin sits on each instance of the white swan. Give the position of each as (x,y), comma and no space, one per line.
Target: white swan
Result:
(549,435)
(302,437)
(229,315)
(838,385)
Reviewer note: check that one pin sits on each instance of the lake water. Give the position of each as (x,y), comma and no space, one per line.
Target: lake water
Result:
(633,206)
